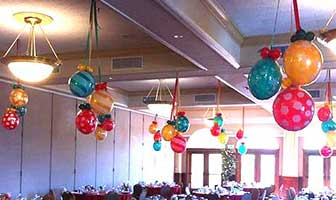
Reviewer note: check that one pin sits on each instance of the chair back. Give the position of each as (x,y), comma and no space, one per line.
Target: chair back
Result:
(166,192)
(68,196)
(143,195)
(212,196)
(247,196)
(289,195)
(137,190)
(292,192)
(49,196)
(111,195)
(255,194)
(263,196)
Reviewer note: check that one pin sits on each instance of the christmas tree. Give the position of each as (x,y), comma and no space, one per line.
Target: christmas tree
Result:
(229,164)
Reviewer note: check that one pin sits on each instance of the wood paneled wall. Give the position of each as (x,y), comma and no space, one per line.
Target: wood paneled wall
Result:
(46,152)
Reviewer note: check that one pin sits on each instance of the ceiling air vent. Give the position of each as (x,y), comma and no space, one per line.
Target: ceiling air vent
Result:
(125,63)
(315,93)
(205,98)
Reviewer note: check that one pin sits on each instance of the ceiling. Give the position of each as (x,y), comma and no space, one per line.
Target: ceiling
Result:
(256,17)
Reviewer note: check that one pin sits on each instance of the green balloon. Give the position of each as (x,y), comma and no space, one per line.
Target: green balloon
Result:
(219,120)
(264,79)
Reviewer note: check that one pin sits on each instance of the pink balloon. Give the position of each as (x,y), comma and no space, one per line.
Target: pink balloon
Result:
(326,151)
(178,144)
(240,134)
(324,113)
(293,109)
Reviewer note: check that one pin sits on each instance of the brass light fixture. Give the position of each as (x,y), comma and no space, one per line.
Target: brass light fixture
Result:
(159,105)
(328,37)
(30,67)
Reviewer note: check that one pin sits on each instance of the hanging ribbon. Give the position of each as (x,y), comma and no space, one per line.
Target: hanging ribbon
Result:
(328,90)
(218,95)
(243,120)
(297,16)
(174,97)
(275,24)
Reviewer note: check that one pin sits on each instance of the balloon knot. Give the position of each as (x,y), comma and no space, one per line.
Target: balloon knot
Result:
(302,35)
(85,106)
(181,113)
(101,86)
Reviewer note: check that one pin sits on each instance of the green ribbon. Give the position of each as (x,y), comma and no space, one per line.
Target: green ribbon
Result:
(84,106)
(17,86)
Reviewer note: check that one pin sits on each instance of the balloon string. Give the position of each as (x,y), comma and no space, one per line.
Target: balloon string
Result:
(174,98)
(218,94)
(275,23)
(296,14)
(243,121)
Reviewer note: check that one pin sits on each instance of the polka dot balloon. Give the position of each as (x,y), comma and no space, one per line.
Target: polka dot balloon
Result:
(10,119)
(293,109)
(86,120)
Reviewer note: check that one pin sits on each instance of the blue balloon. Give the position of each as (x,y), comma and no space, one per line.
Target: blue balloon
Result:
(242,149)
(82,83)
(182,124)
(157,145)
(21,111)
(264,79)
(329,125)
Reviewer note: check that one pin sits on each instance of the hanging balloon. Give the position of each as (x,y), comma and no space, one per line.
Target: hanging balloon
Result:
(293,109)
(331,139)
(157,145)
(215,130)
(329,125)
(168,131)
(100,133)
(265,77)
(218,119)
(240,134)
(82,82)
(10,120)
(20,111)
(106,122)
(157,136)
(182,123)
(326,151)
(242,149)
(100,100)
(223,138)
(324,113)
(302,61)
(86,119)
(153,127)
(178,144)
(18,96)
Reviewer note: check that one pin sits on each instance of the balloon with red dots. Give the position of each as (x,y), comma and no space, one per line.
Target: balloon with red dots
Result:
(86,120)
(10,119)
(293,109)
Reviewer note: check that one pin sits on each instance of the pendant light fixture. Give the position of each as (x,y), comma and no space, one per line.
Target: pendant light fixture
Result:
(30,67)
(159,105)
(327,36)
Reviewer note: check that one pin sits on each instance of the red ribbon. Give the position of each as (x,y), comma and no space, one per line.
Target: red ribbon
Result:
(174,98)
(296,14)
(101,86)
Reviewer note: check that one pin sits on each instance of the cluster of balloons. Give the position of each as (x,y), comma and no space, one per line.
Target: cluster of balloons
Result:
(264,79)
(95,114)
(18,98)
(328,126)
(153,129)
(293,108)
(241,146)
(217,130)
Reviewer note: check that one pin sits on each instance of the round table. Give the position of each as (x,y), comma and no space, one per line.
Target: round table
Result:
(100,196)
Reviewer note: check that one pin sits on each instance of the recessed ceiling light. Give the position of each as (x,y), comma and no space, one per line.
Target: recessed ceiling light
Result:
(178,36)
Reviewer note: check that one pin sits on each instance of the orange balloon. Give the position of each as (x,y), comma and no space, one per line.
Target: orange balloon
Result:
(168,132)
(18,97)
(100,134)
(153,127)
(302,62)
(331,138)
(101,102)
(285,83)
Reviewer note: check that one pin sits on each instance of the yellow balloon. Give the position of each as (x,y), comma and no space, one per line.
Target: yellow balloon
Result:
(100,134)
(101,102)
(223,138)
(18,97)
(331,138)
(152,128)
(302,62)
(168,132)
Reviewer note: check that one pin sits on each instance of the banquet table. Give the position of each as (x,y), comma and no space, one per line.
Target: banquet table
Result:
(100,196)
(154,190)
(238,196)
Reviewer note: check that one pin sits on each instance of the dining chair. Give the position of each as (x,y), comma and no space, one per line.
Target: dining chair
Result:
(212,196)
(68,196)
(263,196)
(255,194)
(49,196)
(166,192)
(111,195)
(247,196)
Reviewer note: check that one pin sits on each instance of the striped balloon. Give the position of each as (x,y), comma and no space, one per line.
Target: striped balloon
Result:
(101,102)
(82,83)
(178,144)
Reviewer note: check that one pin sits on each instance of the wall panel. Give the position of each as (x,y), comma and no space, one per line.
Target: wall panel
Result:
(149,153)
(63,142)
(121,161)
(36,144)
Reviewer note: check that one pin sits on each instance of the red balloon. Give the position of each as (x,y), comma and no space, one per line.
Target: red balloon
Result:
(178,144)
(293,109)
(157,136)
(10,120)
(86,121)
(324,113)
(326,151)
(107,125)
(275,54)
(215,130)
(240,134)
(264,52)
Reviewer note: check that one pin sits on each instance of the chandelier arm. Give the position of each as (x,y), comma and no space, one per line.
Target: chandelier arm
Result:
(49,44)
(171,95)
(329,21)
(157,91)
(11,46)
(150,91)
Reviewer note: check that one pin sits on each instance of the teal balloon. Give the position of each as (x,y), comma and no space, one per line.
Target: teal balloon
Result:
(329,125)
(21,111)
(218,120)
(264,79)
(157,145)
(242,149)
(182,124)
(82,83)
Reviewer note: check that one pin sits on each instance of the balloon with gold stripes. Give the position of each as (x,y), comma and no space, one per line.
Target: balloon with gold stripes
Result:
(100,100)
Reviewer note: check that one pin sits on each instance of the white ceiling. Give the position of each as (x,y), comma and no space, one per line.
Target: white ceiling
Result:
(256,17)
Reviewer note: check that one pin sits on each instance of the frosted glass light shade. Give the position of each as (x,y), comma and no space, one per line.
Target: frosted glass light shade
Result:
(30,71)
(163,109)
